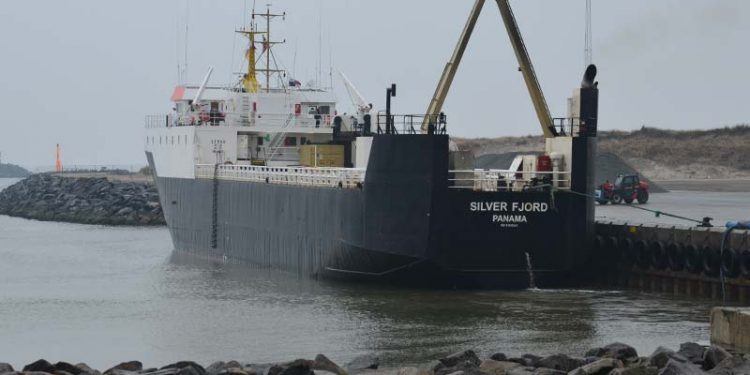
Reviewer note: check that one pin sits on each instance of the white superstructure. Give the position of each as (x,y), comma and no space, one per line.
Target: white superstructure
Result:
(246,123)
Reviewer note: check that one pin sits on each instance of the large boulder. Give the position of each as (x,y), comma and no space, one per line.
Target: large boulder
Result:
(131,366)
(601,367)
(306,367)
(216,368)
(680,368)
(494,367)
(87,370)
(713,356)
(662,355)
(186,368)
(467,362)
(499,357)
(534,371)
(465,357)
(732,366)
(296,369)
(362,363)
(39,366)
(5,367)
(409,371)
(528,360)
(67,367)
(616,350)
(636,370)
(561,362)
(692,351)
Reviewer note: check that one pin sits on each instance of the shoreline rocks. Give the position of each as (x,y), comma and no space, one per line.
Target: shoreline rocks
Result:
(614,359)
(47,197)
(13,171)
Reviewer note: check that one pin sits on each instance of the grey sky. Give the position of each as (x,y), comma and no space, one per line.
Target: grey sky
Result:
(84,73)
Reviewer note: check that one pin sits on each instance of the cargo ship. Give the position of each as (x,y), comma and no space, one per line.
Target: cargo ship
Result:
(272,174)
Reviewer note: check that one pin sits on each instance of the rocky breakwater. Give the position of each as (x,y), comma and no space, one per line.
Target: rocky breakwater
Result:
(613,359)
(50,197)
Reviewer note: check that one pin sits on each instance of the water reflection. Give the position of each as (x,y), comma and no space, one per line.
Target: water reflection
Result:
(416,326)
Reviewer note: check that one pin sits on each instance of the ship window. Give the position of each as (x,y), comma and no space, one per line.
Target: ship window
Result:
(290,141)
(324,110)
(260,141)
(303,141)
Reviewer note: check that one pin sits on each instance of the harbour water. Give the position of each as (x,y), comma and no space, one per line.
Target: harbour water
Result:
(104,295)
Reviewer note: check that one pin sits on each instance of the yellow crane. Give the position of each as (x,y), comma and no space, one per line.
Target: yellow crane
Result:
(524,62)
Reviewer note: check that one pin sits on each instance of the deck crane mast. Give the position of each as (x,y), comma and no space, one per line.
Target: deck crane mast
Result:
(524,62)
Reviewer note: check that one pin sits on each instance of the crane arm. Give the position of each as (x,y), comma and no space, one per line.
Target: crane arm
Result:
(202,88)
(357,99)
(527,69)
(441,92)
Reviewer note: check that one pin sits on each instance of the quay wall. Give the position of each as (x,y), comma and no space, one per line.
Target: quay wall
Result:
(678,260)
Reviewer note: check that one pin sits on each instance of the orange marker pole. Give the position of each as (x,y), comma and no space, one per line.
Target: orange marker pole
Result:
(58,162)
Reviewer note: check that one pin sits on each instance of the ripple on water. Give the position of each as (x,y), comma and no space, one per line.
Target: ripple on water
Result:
(64,289)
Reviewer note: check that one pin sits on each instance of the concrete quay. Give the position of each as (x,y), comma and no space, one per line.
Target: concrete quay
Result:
(730,327)
(678,260)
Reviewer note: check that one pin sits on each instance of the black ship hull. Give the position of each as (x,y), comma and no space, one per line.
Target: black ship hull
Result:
(405,225)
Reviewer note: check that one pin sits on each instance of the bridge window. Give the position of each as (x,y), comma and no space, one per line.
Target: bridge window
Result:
(290,141)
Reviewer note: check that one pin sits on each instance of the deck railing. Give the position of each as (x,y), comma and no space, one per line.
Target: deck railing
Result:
(238,119)
(477,180)
(507,180)
(302,176)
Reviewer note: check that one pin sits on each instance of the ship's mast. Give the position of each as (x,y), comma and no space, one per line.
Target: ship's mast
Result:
(268,45)
(249,80)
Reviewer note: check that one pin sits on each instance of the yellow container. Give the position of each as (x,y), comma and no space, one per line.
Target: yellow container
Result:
(327,156)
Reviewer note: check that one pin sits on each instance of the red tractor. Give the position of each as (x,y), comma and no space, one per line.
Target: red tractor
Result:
(625,189)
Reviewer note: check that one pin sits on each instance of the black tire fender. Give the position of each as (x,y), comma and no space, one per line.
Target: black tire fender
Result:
(745,264)
(627,253)
(609,245)
(658,255)
(598,244)
(711,261)
(676,256)
(693,259)
(730,263)
(642,254)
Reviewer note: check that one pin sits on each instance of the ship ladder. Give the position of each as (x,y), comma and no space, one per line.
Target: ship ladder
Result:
(215,208)
(277,140)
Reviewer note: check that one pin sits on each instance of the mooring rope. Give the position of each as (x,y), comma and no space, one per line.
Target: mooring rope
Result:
(706,222)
